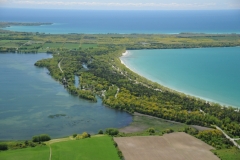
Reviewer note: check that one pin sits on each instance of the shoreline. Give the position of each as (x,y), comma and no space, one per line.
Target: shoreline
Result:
(125,54)
(211,101)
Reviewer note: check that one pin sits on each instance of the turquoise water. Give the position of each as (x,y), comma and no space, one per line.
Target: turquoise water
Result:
(209,73)
(29,95)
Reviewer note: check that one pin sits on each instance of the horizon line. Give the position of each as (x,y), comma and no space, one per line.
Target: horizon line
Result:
(89,9)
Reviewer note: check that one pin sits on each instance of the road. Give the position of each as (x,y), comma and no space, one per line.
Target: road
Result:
(231,139)
(117,93)
(59,66)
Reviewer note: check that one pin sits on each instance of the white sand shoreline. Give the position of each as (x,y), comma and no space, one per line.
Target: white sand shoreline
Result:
(123,55)
(171,88)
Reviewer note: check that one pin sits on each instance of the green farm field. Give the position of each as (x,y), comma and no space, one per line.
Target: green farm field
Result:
(52,45)
(12,43)
(84,46)
(37,153)
(86,149)
(228,154)
(71,46)
(97,147)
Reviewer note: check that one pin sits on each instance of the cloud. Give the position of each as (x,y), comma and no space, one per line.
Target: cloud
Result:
(113,5)
(110,3)
(3,1)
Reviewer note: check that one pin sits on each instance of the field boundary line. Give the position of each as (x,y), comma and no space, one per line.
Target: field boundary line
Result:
(50,156)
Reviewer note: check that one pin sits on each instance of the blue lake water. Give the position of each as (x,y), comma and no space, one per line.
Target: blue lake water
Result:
(29,95)
(76,78)
(210,73)
(90,21)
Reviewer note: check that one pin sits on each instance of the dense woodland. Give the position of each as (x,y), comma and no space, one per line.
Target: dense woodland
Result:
(119,87)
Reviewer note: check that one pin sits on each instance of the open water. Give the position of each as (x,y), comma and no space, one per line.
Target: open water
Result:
(89,21)
(209,73)
(29,96)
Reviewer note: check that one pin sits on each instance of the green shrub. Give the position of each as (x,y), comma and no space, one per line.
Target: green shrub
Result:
(89,135)
(120,154)
(168,131)
(44,137)
(41,138)
(79,136)
(35,139)
(112,131)
(100,132)
(74,135)
(83,135)
(26,143)
(3,147)
(151,130)
(115,144)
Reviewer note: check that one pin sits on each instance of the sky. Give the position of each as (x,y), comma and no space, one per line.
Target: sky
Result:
(124,4)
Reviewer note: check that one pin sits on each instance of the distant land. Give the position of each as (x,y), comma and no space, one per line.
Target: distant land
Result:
(8,24)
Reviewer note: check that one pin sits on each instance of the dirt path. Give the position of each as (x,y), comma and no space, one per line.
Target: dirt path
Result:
(23,45)
(55,141)
(50,156)
(117,93)
(227,136)
(59,66)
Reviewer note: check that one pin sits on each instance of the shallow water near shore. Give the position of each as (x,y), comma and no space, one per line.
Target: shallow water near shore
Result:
(209,73)
(29,96)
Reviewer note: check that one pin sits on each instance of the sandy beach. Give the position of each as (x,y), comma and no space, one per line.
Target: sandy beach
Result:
(123,55)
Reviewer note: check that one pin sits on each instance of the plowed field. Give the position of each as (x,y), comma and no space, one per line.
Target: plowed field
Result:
(174,146)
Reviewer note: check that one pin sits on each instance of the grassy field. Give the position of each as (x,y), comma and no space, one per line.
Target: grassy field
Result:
(71,46)
(47,46)
(238,142)
(12,43)
(142,122)
(36,153)
(86,149)
(52,45)
(228,154)
(84,46)
(96,147)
